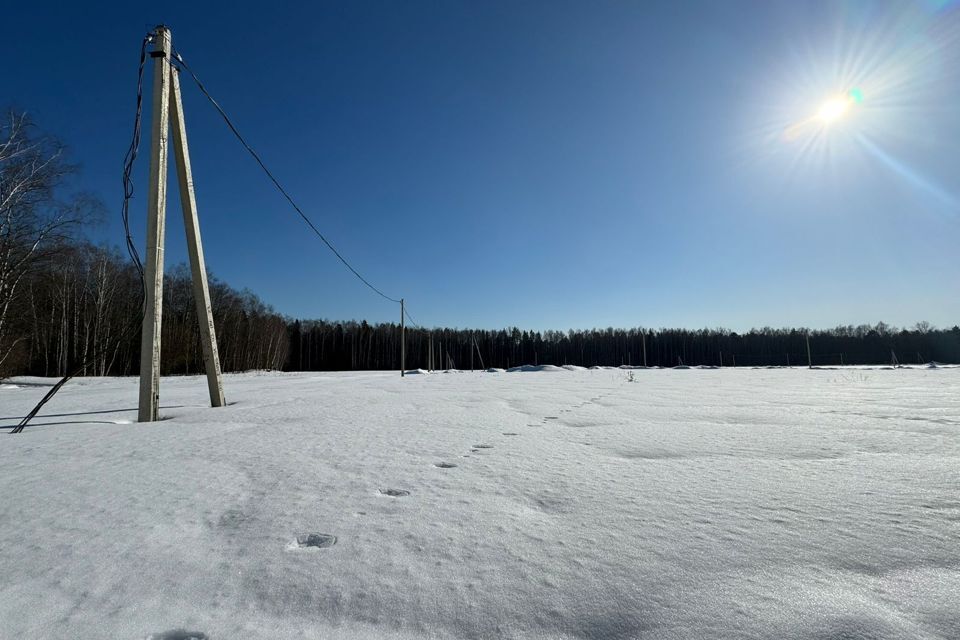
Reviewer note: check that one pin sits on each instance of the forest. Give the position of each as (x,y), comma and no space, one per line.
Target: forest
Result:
(80,305)
(68,304)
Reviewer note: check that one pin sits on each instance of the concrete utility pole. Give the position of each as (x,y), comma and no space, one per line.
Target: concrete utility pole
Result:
(809,359)
(156,213)
(198,267)
(403,343)
(166,93)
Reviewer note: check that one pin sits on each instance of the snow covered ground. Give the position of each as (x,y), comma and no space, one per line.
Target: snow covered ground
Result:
(748,503)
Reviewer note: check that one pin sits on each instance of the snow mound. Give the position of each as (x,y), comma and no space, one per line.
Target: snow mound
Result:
(494,370)
(573,367)
(528,368)
(411,372)
(9,387)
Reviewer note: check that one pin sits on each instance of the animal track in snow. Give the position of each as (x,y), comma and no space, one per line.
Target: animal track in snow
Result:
(232,518)
(179,634)
(510,433)
(314,541)
(483,446)
(444,465)
(395,493)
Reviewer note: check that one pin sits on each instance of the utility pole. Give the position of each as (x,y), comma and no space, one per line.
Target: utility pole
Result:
(156,212)
(166,93)
(479,355)
(403,342)
(644,335)
(198,266)
(809,359)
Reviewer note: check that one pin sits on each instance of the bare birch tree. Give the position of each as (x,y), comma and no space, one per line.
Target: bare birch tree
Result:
(33,216)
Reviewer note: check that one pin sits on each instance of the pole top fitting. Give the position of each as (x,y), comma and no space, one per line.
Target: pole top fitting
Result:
(161,42)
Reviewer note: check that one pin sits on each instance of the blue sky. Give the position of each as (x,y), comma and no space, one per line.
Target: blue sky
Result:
(545,165)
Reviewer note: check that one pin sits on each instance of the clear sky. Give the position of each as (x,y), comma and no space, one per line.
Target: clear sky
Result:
(545,165)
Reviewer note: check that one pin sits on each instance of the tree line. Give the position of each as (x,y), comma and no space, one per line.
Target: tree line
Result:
(81,305)
(81,308)
(329,346)
(67,303)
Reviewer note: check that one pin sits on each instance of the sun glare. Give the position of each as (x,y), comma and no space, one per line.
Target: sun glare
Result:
(833,109)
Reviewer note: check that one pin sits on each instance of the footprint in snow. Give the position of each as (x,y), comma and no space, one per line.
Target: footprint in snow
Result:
(179,634)
(314,541)
(483,446)
(510,433)
(232,519)
(395,493)
(444,465)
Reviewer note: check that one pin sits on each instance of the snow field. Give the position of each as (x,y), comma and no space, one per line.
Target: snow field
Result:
(545,504)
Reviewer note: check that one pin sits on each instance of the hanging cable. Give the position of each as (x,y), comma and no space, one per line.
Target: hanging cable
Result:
(410,318)
(128,162)
(216,105)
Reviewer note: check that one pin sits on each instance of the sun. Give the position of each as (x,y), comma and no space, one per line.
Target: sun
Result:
(834,109)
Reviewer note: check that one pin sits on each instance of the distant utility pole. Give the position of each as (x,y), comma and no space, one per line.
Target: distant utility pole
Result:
(167,111)
(479,355)
(403,343)
(809,358)
(644,339)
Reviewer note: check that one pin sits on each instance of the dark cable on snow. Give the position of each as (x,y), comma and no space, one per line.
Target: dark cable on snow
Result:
(128,163)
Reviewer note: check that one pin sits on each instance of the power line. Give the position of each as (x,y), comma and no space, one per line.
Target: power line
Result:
(276,183)
(128,163)
(410,318)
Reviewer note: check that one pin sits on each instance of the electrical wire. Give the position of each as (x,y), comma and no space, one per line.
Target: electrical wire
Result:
(410,318)
(128,162)
(180,61)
